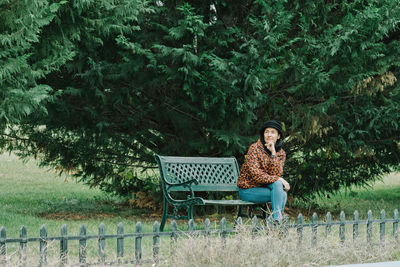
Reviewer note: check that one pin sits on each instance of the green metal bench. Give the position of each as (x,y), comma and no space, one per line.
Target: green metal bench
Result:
(191,174)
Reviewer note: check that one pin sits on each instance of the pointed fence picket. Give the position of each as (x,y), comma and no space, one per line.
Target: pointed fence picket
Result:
(82,245)
(22,244)
(174,234)
(43,245)
(138,243)
(120,240)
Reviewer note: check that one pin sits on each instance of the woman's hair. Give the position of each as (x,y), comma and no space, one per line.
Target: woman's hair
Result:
(276,125)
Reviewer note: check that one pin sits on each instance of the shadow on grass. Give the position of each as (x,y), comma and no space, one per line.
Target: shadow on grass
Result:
(93,210)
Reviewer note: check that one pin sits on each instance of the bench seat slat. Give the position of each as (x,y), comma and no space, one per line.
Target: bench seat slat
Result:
(228,202)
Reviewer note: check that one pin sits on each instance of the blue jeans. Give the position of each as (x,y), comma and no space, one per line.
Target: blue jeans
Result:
(273,193)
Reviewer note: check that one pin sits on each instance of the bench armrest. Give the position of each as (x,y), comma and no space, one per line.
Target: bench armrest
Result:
(187,184)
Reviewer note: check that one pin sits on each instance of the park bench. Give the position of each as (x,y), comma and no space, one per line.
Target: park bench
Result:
(193,174)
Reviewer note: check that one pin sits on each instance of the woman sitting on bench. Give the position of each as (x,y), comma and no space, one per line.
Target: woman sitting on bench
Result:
(259,180)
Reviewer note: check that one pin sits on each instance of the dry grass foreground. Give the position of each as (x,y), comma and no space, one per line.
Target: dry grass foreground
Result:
(266,248)
(269,248)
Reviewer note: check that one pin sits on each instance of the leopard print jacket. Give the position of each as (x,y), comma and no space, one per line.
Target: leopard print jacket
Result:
(260,169)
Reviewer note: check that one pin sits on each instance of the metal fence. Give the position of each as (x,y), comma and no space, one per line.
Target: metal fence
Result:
(174,233)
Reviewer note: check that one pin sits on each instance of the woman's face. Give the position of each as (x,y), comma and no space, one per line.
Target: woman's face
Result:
(271,135)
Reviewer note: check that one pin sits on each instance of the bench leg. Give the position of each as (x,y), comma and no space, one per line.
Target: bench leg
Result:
(190,212)
(241,214)
(164,214)
(265,214)
(249,214)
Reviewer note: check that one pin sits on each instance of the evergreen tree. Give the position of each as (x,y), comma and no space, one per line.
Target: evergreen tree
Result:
(21,23)
(198,78)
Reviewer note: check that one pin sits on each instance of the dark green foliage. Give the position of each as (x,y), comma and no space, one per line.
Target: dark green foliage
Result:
(134,78)
(21,23)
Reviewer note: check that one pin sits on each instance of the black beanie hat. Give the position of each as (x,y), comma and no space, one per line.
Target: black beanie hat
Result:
(272,124)
(276,125)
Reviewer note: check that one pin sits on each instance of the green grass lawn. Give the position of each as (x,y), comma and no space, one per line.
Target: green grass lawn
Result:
(383,194)
(32,196)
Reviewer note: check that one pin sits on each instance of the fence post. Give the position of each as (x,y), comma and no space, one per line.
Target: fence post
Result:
(328,224)
(223,230)
(342,226)
(191,227)
(238,223)
(285,226)
(300,228)
(382,226)
(396,225)
(138,243)
(120,241)
(174,236)
(64,244)
(3,248)
(254,225)
(102,243)
(314,229)
(369,226)
(82,245)
(156,241)
(174,230)
(22,245)
(43,245)
(355,225)
(239,228)
(207,227)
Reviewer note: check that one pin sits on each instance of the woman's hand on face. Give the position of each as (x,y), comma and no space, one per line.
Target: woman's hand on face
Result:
(271,147)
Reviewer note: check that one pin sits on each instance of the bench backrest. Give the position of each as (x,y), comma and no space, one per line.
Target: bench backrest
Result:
(213,174)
